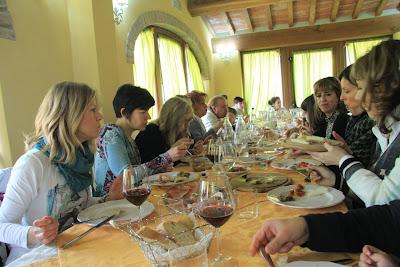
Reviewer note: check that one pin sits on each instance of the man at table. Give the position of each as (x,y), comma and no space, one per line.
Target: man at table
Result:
(334,232)
(217,109)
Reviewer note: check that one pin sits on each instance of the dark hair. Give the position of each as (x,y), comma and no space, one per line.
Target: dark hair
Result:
(345,74)
(381,69)
(272,101)
(225,96)
(308,105)
(131,97)
(238,99)
(232,110)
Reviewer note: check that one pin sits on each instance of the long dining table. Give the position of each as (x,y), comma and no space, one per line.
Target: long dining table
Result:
(110,247)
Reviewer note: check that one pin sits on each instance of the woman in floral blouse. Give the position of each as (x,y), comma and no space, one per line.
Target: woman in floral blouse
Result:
(117,150)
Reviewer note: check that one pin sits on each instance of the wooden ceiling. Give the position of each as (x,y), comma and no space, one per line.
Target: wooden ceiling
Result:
(235,17)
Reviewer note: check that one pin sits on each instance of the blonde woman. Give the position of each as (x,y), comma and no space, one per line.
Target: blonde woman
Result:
(51,182)
(169,130)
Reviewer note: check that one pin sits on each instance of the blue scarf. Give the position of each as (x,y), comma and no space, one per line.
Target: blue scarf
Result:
(78,174)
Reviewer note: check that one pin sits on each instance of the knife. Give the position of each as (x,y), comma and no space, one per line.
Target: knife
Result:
(79,237)
(266,257)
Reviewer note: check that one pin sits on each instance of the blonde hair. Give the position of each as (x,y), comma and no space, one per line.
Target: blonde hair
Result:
(380,68)
(173,113)
(58,119)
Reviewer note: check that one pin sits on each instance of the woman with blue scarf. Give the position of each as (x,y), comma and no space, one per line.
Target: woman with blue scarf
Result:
(52,181)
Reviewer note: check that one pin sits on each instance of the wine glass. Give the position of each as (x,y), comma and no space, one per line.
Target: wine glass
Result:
(216,205)
(135,188)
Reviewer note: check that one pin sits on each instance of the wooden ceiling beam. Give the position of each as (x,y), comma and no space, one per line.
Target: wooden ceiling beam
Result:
(340,31)
(290,13)
(357,9)
(209,26)
(210,8)
(248,20)
(270,25)
(380,7)
(228,22)
(335,9)
(313,10)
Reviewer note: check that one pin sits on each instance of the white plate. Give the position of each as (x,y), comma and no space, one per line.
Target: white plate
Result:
(311,264)
(253,159)
(286,164)
(234,174)
(106,209)
(154,179)
(325,200)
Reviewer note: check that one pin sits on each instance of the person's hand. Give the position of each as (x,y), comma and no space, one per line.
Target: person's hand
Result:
(43,230)
(322,175)
(178,152)
(373,257)
(198,147)
(341,139)
(184,141)
(331,157)
(280,235)
(219,125)
(115,191)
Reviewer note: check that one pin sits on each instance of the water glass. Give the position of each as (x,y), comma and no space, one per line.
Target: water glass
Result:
(196,259)
(247,206)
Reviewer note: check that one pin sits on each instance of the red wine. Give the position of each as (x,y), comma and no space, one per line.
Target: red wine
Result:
(210,157)
(216,215)
(137,195)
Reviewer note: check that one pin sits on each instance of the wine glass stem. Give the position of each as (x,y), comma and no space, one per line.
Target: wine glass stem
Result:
(218,237)
(140,214)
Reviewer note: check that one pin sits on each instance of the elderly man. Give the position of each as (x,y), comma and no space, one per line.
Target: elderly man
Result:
(217,109)
(196,126)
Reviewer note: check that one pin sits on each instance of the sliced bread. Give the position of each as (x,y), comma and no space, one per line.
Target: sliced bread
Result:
(151,235)
(178,232)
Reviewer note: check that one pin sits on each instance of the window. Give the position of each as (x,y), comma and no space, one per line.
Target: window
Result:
(308,67)
(356,49)
(165,65)
(262,78)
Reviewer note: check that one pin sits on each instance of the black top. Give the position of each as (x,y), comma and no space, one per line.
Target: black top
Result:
(339,126)
(151,143)
(337,232)
(360,138)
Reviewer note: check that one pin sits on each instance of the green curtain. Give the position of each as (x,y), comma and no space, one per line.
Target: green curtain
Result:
(356,49)
(172,69)
(195,80)
(262,78)
(308,67)
(144,65)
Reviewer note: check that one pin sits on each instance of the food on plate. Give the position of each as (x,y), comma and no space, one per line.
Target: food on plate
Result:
(237,168)
(312,139)
(302,165)
(179,177)
(187,192)
(298,192)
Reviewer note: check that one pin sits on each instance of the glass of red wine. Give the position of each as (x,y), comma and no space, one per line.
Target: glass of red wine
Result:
(135,187)
(216,205)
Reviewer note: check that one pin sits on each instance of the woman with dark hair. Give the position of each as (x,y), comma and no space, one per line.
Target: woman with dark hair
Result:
(378,78)
(275,102)
(116,149)
(358,136)
(329,112)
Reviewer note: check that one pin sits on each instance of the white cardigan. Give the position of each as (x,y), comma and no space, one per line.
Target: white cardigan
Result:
(368,186)
(36,189)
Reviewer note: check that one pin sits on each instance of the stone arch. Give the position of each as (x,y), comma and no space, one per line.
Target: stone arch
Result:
(166,21)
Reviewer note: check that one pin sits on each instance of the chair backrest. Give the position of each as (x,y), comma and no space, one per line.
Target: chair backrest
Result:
(4,177)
